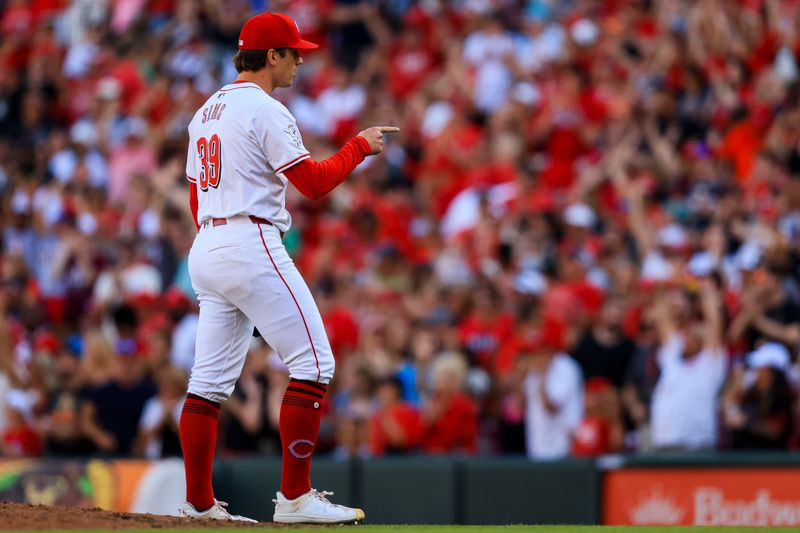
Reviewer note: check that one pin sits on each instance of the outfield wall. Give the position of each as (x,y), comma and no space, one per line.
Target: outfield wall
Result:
(705,489)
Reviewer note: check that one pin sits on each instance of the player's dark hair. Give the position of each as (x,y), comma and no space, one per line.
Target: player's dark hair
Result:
(253,60)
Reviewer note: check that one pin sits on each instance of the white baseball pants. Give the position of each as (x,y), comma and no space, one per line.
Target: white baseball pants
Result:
(243,276)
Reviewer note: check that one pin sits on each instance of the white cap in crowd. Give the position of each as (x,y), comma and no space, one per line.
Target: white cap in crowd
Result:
(772,355)
(580,215)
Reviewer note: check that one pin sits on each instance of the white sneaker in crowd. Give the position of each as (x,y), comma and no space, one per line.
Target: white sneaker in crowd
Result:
(313,507)
(215,512)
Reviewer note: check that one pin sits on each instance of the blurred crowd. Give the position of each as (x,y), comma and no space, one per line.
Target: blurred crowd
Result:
(584,240)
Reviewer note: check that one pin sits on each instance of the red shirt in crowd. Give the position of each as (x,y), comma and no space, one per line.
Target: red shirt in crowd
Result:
(570,300)
(483,337)
(342,329)
(311,16)
(22,441)
(456,429)
(409,67)
(741,144)
(543,333)
(564,147)
(407,419)
(591,437)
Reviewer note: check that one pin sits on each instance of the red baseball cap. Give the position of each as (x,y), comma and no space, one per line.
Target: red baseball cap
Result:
(272,30)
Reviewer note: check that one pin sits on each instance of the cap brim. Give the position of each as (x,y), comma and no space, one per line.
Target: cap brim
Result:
(304,45)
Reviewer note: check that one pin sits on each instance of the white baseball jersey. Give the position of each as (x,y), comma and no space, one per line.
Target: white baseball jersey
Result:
(240,143)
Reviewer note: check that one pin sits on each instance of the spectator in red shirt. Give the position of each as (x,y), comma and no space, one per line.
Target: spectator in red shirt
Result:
(486,327)
(396,428)
(19,438)
(450,416)
(410,63)
(341,324)
(601,430)
(16,19)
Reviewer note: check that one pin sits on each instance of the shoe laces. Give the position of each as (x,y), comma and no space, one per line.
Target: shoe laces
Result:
(318,494)
(221,506)
(322,495)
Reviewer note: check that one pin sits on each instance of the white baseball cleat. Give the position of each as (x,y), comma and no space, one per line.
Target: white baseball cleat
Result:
(215,512)
(313,507)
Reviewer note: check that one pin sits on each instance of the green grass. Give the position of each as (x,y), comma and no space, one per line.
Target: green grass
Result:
(452,529)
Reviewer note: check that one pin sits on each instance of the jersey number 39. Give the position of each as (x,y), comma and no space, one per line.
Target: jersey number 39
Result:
(210,153)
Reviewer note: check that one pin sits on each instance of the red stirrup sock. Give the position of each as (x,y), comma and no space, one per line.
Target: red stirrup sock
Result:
(299,427)
(198,440)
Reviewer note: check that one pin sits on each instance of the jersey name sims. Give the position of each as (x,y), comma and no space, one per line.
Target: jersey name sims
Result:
(240,143)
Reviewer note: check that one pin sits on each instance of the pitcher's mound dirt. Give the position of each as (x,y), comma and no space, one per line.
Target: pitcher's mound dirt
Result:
(16,516)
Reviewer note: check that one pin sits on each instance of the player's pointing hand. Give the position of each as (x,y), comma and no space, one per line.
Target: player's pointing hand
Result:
(374,137)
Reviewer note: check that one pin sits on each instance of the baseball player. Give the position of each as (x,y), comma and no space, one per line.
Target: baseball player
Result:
(244,149)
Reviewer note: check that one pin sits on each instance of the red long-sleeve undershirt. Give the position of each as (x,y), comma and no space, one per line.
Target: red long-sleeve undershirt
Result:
(193,203)
(314,179)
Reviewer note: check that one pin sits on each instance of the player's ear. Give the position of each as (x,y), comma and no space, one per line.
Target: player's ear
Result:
(272,56)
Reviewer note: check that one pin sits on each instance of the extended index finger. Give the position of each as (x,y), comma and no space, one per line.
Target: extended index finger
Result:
(388,129)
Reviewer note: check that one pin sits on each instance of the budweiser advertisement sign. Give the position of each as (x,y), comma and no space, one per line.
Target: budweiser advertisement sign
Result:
(702,497)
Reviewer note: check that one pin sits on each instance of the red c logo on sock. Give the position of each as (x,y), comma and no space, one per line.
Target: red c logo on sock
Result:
(298,455)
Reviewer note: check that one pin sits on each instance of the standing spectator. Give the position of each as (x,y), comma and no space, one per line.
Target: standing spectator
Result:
(111,413)
(19,438)
(74,261)
(129,277)
(340,104)
(8,374)
(352,405)
(396,427)
(98,359)
(604,350)
(769,313)
(133,156)
(242,419)
(356,25)
(159,433)
(449,415)
(693,365)
(485,328)
(61,428)
(640,383)
(601,430)
(758,402)
(80,152)
(19,236)
(410,62)
(554,392)
(489,51)
(411,374)
(184,331)
(156,348)
(512,404)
